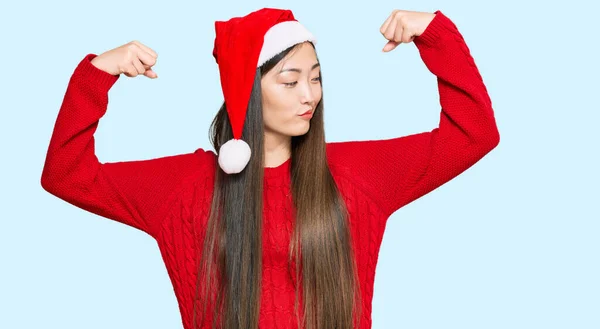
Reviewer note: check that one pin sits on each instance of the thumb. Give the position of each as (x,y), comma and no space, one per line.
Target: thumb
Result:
(390,46)
(151,74)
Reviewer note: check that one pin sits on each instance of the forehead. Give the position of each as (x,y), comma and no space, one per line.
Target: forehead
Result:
(301,57)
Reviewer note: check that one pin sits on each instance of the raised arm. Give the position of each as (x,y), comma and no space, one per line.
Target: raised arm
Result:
(396,171)
(135,193)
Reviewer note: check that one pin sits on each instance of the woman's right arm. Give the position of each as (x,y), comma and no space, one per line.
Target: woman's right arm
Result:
(135,193)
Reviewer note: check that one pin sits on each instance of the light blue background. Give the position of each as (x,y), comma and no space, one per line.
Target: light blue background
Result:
(511,243)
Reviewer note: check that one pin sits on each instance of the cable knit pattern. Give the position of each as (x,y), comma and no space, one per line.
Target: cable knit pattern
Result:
(169,197)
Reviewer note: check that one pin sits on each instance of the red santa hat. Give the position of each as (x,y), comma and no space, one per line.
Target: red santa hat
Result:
(242,44)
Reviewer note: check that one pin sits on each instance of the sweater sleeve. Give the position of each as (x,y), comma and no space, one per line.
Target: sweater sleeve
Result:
(135,193)
(396,171)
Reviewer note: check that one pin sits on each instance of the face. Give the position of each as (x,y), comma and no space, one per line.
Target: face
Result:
(290,89)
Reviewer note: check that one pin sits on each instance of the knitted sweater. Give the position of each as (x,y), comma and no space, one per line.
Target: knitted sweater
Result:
(169,197)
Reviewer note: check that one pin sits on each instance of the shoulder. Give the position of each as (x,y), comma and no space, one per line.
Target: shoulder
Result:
(192,173)
(204,162)
(346,167)
(186,170)
(342,158)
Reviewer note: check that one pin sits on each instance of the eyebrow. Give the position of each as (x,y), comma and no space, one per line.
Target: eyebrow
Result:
(299,70)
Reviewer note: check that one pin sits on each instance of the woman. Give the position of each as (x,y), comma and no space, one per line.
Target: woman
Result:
(231,254)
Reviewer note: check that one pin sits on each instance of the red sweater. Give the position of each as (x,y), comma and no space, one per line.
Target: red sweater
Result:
(161,196)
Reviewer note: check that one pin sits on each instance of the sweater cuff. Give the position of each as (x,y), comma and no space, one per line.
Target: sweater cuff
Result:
(435,31)
(94,76)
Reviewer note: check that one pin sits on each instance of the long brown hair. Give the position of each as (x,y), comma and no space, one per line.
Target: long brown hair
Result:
(230,270)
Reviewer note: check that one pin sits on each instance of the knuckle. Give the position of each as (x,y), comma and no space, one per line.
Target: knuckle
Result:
(131,50)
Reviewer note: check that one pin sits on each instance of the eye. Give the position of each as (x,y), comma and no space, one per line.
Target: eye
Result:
(291,84)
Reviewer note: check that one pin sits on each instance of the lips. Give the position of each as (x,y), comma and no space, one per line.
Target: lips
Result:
(307,112)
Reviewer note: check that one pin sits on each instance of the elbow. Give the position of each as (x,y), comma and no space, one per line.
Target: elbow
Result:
(47,183)
(49,180)
(493,139)
(489,141)
(55,187)
(46,178)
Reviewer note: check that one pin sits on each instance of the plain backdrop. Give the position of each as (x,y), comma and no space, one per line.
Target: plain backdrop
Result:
(510,243)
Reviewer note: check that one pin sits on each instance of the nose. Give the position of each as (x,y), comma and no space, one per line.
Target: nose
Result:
(308,94)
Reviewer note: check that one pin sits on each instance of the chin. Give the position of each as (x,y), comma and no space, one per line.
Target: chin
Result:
(299,132)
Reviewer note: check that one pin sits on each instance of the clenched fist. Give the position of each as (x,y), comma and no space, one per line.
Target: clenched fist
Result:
(402,26)
(131,59)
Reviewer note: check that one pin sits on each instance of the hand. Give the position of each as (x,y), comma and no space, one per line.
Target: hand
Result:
(132,58)
(402,26)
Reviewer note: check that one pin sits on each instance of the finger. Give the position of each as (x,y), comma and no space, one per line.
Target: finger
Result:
(138,66)
(129,70)
(144,69)
(386,23)
(398,33)
(151,74)
(146,58)
(407,36)
(390,46)
(146,49)
(389,32)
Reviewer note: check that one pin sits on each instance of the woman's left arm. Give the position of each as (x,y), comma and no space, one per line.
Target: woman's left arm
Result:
(396,171)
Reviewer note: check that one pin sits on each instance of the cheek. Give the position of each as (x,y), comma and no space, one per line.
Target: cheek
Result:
(281,105)
(278,109)
(318,91)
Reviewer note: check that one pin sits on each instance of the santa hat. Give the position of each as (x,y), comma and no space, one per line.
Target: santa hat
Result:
(242,44)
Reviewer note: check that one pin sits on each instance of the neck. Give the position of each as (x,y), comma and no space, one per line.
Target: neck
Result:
(278,148)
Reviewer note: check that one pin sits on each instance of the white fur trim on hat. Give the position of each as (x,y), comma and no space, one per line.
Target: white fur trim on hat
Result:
(282,36)
(234,156)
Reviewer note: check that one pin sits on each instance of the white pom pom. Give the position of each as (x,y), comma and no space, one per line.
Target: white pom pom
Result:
(234,156)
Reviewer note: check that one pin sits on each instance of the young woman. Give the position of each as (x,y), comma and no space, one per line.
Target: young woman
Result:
(280,229)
